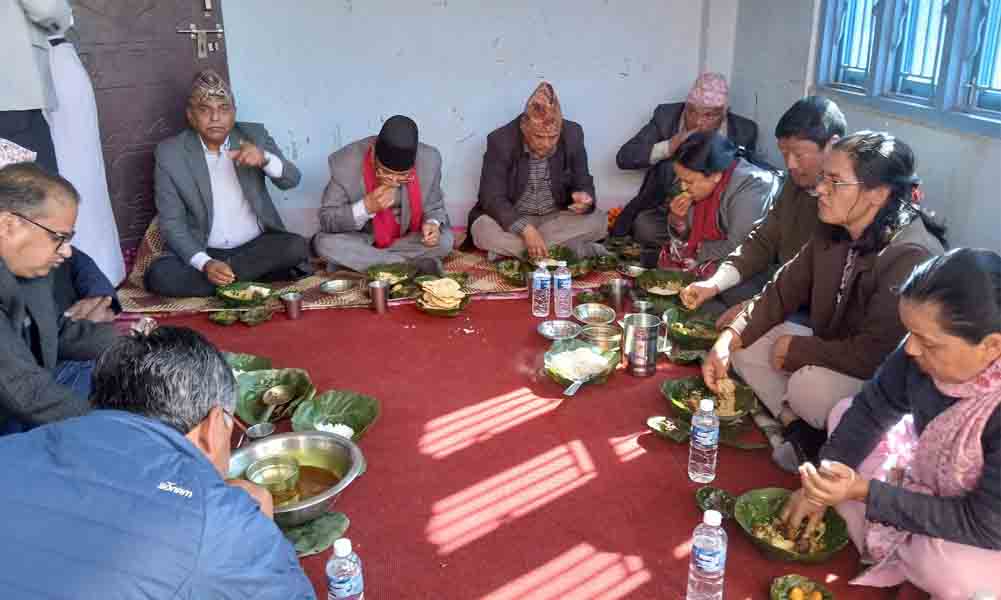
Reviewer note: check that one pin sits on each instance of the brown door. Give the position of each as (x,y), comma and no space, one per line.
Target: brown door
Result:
(141,69)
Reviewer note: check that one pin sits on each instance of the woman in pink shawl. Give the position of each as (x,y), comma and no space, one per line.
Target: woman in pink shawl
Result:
(913,463)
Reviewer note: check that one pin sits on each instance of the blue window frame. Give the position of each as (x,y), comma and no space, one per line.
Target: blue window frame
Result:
(932,60)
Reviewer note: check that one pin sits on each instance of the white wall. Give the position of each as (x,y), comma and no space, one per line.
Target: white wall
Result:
(322,73)
(773,67)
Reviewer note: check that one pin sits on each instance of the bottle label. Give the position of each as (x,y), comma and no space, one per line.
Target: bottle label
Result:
(541,283)
(345,587)
(709,561)
(563,283)
(707,437)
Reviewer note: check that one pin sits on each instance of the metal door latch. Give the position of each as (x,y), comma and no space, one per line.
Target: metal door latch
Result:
(201,37)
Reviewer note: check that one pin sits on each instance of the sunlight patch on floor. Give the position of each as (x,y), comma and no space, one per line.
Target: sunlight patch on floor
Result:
(627,447)
(483,507)
(581,573)
(471,425)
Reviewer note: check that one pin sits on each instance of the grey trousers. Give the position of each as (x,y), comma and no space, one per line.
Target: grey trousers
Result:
(268,257)
(355,251)
(650,227)
(811,392)
(577,232)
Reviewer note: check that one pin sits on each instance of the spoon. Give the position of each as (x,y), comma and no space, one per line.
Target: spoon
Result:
(274,397)
(570,391)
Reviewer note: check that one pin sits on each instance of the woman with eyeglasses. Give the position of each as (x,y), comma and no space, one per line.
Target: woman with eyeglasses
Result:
(914,460)
(871,236)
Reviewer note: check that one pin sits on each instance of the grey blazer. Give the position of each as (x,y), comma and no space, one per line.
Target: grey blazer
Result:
(24,45)
(745,200)
(347,186)
(28,391)
(184,191)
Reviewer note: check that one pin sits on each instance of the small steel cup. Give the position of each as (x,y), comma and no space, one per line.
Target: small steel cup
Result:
(293,304)
(617,291)
(379,291)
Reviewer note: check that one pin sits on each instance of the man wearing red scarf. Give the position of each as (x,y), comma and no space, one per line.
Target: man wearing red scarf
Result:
(384,203)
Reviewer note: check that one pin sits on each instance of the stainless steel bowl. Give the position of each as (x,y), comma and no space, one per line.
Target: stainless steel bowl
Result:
(594,314)
(606,337)
(631,270)
(338,286)
(559,330)
(313,449)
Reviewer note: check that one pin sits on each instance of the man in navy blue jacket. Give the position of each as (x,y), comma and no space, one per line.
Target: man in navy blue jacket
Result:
(129,501)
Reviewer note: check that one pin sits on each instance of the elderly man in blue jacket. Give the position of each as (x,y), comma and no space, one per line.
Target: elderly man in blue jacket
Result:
(129,501)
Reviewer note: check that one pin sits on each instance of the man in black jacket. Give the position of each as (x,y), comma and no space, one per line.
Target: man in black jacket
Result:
(37,215)
(535,188)
(705,109)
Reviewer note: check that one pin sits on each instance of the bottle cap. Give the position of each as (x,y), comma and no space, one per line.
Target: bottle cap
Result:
(706,405)
(712,518)
(342,547)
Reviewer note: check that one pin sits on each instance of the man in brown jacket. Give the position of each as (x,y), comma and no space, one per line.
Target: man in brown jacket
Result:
(805,135)
(535,188)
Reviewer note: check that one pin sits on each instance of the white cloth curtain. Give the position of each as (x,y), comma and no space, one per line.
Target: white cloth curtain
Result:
(77,139)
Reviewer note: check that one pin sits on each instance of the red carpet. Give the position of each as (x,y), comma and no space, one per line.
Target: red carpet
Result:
(484,483)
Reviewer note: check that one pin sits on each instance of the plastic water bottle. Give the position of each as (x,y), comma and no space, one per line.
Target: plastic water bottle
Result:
(344,577)
(542,283)
(563,290)
(708,562)
(704,443)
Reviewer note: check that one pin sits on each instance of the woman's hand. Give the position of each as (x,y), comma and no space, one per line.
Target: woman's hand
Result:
(833,483)
(716,365)
(798,508)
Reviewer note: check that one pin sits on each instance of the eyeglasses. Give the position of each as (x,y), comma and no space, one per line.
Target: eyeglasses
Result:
(57,236)
(826,179)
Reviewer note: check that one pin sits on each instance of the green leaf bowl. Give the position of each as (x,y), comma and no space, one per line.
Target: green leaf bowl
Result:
(763,505)
(357,411)
(781,586)
(253,384)
(676,390)
(229,294)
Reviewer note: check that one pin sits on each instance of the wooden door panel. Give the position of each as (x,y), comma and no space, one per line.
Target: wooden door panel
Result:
(141,69)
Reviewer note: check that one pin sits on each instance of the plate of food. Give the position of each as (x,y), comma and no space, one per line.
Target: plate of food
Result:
(797,587)
(713,498)
(734,401)
(513,271)
(337,407)
(256,315)
(590,298)
(605,262)
(574,360)
(391,273)
(442,297)
(580,267)
(660,282)
(244,294)
(693,334)
(254,384)
(224,317)
(403,290)
(757,512)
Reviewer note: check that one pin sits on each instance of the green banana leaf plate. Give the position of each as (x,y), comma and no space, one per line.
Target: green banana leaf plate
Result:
(713,498)
(443,312)
(693,333)
(253,384)
(677,391)
(237,295)
(654,278)
(513,271)
(357,411)
(313,537)
(392,272)
(607,262)
(580,268)
(763,505)
(782,586)
(246,362)
(224,317)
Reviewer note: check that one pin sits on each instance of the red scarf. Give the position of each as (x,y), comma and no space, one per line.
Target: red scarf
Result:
(386,228)
(705,227)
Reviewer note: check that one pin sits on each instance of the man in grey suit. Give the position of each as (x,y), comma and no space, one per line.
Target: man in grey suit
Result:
(384,203)
(37,214)
(215,211)
(27,83)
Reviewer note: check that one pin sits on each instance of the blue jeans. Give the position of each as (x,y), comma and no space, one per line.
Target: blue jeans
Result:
(74,374)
